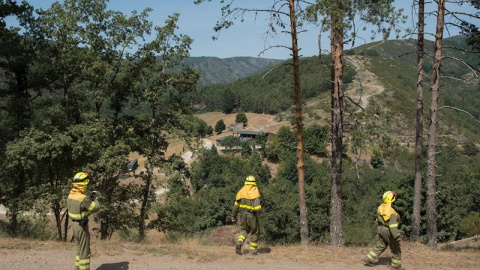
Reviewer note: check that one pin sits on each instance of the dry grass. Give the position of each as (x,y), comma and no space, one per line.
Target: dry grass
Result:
(194,248)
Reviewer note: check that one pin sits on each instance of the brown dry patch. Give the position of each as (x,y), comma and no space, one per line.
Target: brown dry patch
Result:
(224,236)
(264,122)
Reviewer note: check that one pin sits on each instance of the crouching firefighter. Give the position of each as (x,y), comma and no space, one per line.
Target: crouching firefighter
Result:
(79,207)
(246,209)
(388,233)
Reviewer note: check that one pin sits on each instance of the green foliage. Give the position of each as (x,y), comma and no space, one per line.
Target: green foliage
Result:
(128,235)
(377,160)
(195,127)
(315,137)
(470,225)
(90,91)
(282,146)
(241,118)
(470,148)
(228,102)
(231,142)
(269,92)
(458,192)
(349,52)
(220,126)
(246,150)
(369,53)
(27,227)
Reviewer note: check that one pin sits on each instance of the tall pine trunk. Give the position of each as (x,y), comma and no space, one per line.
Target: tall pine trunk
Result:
(432,131)
(336,38)
(299,123)
(417,190)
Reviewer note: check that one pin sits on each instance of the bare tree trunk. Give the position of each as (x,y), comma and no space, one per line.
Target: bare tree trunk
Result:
(299,123)
(336,236)
(58,221)
(432,131)
(65,226)
(417,190)
(145,201)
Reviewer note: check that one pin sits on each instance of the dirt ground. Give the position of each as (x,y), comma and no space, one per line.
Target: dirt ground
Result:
(190,254)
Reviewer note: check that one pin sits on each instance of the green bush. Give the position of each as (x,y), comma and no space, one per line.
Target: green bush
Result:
(359,235)
(349,52)
(470,225)
(377,160)
(241,118)
(33,228)
(129,235)
(470,148)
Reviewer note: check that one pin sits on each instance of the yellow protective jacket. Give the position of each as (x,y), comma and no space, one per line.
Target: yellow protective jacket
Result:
(247,200)
(387,216)
(79,205)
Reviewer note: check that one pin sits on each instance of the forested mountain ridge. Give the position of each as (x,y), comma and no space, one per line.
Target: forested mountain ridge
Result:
(225,70)
(392,64)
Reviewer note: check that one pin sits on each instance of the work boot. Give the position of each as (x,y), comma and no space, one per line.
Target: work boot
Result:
(238,247)
(367,262)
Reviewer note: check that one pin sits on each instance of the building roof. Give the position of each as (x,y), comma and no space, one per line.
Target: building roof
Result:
(246,132)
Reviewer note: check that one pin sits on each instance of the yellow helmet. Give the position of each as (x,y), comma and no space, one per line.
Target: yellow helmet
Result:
(81,178)
(250,180)
(389,196)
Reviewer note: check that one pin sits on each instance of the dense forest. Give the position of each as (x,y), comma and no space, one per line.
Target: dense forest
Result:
(86,92)
(269,91)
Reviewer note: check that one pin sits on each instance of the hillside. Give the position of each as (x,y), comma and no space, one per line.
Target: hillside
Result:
(216,70)
(381,75)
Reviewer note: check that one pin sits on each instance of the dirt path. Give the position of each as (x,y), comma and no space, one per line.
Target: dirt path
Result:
(365,84)
(115,255)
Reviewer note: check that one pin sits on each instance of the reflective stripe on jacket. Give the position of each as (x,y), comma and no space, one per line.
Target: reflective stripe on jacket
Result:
(387,216)
(80,206)
(246,205)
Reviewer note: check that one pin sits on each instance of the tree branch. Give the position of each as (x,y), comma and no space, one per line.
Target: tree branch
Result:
(455,13)
(472,68)
(460,110)
(358,105)
(460,49)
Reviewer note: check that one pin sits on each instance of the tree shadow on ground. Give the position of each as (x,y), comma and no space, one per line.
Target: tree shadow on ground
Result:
(114,266)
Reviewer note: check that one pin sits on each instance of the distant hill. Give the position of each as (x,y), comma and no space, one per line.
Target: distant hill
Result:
(215,70)
(380,76)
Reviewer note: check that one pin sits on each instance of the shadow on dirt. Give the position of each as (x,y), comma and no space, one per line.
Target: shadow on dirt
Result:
(114,266)
(264,250)
(383,261)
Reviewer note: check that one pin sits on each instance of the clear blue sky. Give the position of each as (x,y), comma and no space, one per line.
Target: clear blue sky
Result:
(243,39)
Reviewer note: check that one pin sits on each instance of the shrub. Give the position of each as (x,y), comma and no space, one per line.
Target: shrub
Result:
(33,228)
(241,118)
(220,126)
(129,235)
(470,225)
(470,148)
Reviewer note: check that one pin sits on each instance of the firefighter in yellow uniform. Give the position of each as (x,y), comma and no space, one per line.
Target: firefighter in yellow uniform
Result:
(245,210)
(79,207)
(388,233)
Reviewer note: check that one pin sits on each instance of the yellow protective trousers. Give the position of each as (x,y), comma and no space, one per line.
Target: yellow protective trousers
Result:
(82,239)
(385,239)
(248,223)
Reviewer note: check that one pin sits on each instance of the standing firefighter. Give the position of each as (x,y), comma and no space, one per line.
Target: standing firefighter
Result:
(247,206)
(388,232)
(79,208)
